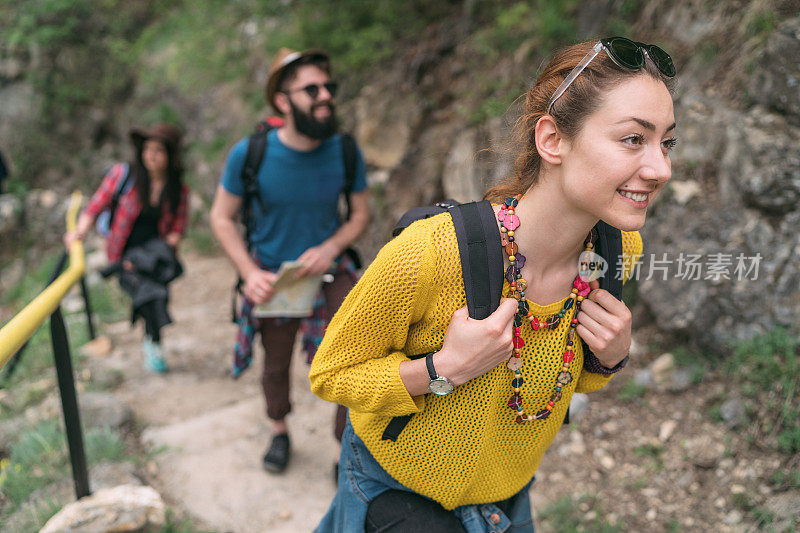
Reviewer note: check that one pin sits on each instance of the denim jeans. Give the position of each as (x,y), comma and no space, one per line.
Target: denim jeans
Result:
(362,478)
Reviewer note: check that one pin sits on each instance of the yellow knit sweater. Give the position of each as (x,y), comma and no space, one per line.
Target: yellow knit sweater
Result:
(459,449)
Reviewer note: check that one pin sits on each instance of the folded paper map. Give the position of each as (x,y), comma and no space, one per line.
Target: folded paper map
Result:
(293,297)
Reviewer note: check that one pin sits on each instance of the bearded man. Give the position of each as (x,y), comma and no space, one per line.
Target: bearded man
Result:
(293,217)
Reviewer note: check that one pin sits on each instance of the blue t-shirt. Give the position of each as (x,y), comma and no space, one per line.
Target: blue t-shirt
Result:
(300,193)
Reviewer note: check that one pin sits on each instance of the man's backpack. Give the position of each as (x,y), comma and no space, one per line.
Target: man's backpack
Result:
(256,152)
(482,265)
(122,185)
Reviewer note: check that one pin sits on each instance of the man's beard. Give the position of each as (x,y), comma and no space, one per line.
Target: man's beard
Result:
(310,126)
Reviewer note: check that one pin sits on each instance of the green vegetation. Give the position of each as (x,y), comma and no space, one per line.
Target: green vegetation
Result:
(565,516)
(30,382)
(761,23)
(545,24)
(175,524)
(631,391)
(696,363)
(40,458)
(768,369)
(787,478)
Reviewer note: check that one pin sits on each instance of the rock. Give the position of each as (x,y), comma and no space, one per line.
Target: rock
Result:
(643,378)
(683,191)
(99,347)
(704,452)
(384,132)
(733,518)
(10,213)
(97,409)
(100,409)
(733,413)
(666,430)
(775,83)
(650,515)
(578,406)
(122,508)
(103,375)
(96,260)
(460,179)
(662,368)
(681,380)
(378,177)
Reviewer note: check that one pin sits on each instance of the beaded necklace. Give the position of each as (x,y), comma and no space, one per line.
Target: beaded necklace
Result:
(509,222)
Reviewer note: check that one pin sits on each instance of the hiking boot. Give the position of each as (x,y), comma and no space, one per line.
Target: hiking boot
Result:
(277,456)
(154,357)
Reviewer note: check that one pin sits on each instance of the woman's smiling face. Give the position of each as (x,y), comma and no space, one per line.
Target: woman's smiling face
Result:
(619,160)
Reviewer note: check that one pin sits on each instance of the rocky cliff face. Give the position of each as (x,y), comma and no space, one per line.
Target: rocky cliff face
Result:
(431,125)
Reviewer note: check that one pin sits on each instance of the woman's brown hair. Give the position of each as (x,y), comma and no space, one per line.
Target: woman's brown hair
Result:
(579,101)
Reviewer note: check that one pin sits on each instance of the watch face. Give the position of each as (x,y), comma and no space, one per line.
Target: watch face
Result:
(440,386)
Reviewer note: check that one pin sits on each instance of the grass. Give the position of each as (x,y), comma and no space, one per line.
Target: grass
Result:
(631,391)
(565,516)
(174,524)
(767,368)
(40,457)
(789,478)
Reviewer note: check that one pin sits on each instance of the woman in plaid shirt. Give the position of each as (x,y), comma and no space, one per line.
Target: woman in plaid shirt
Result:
(150,216)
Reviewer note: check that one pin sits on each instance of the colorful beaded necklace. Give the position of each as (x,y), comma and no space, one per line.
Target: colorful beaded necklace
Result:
(509,222)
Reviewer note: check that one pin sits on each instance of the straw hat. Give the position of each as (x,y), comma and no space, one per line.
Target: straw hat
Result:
(283,59)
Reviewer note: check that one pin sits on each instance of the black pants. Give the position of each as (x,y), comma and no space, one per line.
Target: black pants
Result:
(152,323)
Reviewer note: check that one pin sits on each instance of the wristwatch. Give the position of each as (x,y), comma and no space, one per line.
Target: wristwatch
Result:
(439,384)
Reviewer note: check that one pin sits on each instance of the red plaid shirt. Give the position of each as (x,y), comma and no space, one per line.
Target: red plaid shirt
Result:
(128,210)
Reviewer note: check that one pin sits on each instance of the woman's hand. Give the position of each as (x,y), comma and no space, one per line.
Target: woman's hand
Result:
(172,239)
(473,347)
(604,323)
(258,285)
(70,237)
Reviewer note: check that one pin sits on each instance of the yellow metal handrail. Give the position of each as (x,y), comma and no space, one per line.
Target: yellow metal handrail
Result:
(22,327)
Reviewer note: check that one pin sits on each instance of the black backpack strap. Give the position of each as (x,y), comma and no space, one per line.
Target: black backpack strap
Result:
(118,190)
(481,256)
(481,267)
(256,150)
(350,160)
(609,247)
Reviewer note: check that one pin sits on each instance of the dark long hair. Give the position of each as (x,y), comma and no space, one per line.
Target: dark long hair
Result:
(172,189)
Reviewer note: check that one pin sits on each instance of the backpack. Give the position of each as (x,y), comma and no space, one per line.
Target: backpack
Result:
(482,266)
(122,185)
(256,151)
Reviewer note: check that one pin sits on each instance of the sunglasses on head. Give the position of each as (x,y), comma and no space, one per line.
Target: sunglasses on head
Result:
(313,89)
(625,54)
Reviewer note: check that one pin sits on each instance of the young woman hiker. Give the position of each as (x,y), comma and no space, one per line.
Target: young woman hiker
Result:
(488,400)
(148,222)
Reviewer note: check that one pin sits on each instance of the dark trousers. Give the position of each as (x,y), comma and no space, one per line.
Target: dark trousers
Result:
(278,341)
(152,324)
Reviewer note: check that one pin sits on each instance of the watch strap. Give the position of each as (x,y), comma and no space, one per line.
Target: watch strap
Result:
(429,363)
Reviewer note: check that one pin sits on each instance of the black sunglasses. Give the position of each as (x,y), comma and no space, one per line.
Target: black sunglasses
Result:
(628,54)
(313,89)
(625,54)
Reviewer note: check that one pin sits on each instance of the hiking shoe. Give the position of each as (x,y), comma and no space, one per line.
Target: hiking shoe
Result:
(154,356)
(277,456)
